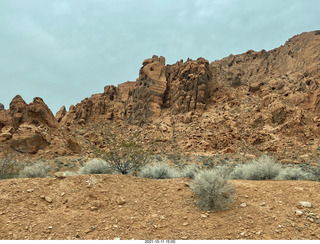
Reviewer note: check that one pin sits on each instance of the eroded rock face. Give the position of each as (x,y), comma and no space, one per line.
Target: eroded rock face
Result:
(149,91)
(1,106)
(28,139)
(29,128)
(187,86)
(262,100)
(181,88)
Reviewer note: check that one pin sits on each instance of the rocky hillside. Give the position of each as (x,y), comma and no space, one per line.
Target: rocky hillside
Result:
(248,103)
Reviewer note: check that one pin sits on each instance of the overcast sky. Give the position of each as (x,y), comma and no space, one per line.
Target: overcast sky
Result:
(66,50)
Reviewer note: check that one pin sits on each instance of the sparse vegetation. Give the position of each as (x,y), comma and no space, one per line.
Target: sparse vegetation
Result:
(96,166)
(294,174)
(189,171)
(125,155)
(37,170)
(159,171)
(9,168)
(263,168)
(213,192)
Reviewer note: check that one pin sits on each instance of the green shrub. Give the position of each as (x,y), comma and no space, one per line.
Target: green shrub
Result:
(213,192)
(37,170)
(96,166)
(294,174)
(263,168)
(125,155)
(159,171)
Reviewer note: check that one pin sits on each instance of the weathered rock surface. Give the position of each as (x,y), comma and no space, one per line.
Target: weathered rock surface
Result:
(29,128)
(261,101)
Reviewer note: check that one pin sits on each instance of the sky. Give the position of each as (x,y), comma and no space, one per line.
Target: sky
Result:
(66,50)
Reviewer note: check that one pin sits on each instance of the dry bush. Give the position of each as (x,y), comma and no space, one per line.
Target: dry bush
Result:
(294,174)
(159,171)
(125,155)
(96,166)
(213,192)
(9,168)
(263,168)
(189,171)
(37,170)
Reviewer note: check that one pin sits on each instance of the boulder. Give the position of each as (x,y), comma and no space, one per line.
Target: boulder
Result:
(28,139)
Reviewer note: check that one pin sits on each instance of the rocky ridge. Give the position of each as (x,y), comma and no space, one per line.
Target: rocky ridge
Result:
(252,102)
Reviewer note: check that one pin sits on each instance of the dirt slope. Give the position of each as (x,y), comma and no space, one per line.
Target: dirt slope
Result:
(126,207)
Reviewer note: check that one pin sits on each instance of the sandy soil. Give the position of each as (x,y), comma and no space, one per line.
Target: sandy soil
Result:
(126,207)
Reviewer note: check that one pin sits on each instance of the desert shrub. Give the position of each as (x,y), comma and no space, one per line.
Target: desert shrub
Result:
(213,192)
(316,173)
(37,170)
(125,155)
(263,168)
(9,168)
(189,171)
(96,166)
(159,171)
(294,174)
(223,170)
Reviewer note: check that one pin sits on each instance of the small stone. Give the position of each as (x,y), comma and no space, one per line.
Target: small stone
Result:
(59,175)
(62,194)
(298,212)
(42,196)
(121,201)
(185,224)
(48,199)
(93,208)
(243,205)
(246,196)
(115,226)
(204,216)
(50,227)
(154,215)
(30,190)
(305,204)
(311,220)
(263,204)
(116,238)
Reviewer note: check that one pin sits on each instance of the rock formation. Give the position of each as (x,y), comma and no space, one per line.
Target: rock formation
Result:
(261,101)
(29,128)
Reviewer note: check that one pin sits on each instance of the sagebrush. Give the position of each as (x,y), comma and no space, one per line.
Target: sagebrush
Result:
(96,166)
(159,171)
(213,192)
(9,168)
(294,173)
(263,168)
(37,170)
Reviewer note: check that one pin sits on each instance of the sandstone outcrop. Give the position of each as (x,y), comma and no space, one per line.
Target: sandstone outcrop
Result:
(29,128)
(265,101)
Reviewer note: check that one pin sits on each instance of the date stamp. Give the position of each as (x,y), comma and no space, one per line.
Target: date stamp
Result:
(159,241)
